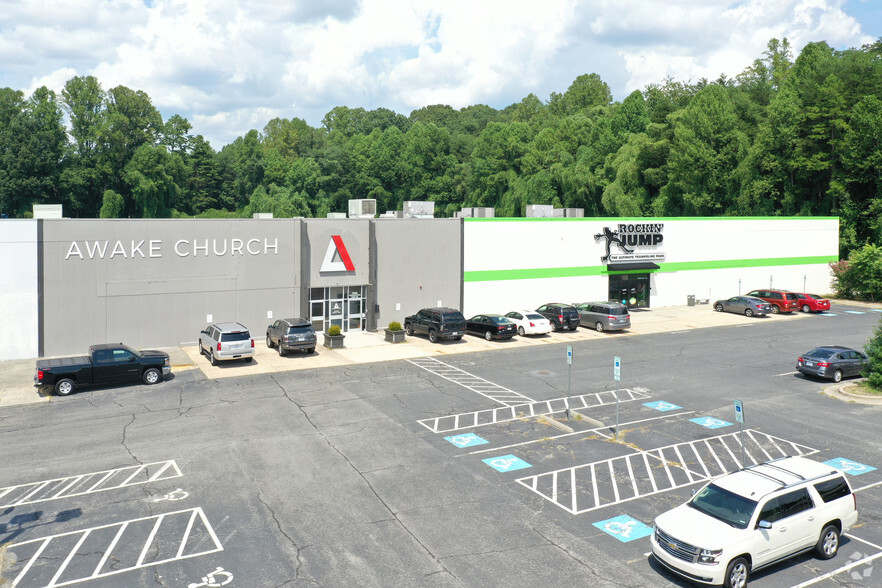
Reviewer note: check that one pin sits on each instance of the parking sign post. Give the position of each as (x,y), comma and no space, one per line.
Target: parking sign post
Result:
(739,417)
(569,376)
(617,374)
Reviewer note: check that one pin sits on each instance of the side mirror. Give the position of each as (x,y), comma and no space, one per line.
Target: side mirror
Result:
(764,525)
(132,358)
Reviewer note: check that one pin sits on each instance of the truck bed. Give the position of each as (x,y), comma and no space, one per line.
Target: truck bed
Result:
(79,360)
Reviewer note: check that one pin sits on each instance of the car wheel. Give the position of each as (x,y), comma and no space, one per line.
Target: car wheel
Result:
(718,308)
(775,309)
(248,359)
(152,376)
(310,351)
(806,308)
(457,338)
(488,335)
(554,327)
(433,336)
(737,573)
(837,376)
(521,331)
(65,386)
(598,326)
(749,312)
(281,350)
(409,330)
(201,349)
(212,358)
(269,342)
(828,543)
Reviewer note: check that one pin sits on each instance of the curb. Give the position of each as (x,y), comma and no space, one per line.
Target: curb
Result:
(841,392)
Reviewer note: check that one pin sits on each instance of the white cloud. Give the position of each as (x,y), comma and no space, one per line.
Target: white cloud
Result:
(231,66)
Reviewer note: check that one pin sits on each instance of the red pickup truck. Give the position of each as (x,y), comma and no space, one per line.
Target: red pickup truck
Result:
(106,364)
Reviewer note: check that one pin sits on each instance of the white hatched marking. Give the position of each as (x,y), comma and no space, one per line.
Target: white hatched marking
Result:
(23,494)
(472,382)
(492,416)
(83,534)
(538,483)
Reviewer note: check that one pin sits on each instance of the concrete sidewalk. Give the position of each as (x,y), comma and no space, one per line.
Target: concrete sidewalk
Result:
(16,376)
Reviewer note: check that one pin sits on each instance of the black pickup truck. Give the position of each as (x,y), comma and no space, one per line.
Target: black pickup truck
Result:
(107,364)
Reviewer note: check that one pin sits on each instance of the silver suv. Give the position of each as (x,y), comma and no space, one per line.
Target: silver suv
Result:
(226,341)
(753,518)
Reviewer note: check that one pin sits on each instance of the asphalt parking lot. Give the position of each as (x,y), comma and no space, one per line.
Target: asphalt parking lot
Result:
(433,467)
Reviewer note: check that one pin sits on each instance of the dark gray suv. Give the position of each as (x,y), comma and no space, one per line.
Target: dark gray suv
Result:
(290,334)
(437,323)
(561,316)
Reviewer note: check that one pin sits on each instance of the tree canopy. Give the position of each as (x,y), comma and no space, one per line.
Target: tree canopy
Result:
(788,136)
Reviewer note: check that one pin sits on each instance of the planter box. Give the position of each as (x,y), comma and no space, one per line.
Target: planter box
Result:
(333,341)
(395,336)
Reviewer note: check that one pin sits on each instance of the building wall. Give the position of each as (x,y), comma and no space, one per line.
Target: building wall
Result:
(155,283)
(522,263)
(18,289)
(419,264)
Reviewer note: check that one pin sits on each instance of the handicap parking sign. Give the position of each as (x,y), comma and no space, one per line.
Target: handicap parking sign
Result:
(506,463)
(661,405)
(466,440)
(624,528)
(849,467)
(710,422)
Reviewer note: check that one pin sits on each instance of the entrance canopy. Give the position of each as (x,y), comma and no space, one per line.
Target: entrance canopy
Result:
(638,266)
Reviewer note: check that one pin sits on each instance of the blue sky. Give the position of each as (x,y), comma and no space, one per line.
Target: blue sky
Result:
(230,66)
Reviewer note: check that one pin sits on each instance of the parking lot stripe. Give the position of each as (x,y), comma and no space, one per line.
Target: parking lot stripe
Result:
(57,488)
(82,535)
(844,568)
(677,472)
(494,392)
(491,416)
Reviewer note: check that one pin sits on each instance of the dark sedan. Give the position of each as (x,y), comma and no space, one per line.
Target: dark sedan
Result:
(491,326)
(746,305)
(831,361)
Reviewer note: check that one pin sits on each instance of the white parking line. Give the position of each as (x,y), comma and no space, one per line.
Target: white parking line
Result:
(494,392)
(785,374)
(845,568)
(622,475)
(84,548)
(56,488)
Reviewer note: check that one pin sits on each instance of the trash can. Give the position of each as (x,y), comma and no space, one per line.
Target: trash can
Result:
(690,300)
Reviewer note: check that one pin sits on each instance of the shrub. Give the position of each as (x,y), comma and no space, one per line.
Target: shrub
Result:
(873,370)
(394,326)
(334,330)
(861,276)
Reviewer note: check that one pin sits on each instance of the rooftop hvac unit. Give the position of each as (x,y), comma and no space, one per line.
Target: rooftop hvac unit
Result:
(574,212)
(262,215)
(558,212)
(540,211)
(484,212)
(47,211)
(465,212)
(364,208)
(418,209)
(336,215)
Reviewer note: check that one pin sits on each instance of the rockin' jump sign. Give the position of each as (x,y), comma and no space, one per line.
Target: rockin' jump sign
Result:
(635,241)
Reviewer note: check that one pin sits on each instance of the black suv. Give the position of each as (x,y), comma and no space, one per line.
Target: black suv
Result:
(289,334)
(437,323)
(561,316)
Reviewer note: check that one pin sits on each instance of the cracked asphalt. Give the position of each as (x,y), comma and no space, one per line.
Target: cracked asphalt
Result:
(324,477)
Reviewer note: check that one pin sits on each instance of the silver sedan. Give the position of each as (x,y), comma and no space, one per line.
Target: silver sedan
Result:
(746,305)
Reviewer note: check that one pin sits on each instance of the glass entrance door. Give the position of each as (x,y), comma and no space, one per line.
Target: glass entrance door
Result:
(631,290)
(343,306)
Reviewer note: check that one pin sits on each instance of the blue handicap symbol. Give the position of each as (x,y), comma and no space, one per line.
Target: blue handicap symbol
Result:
(466,440)
(624,528)
(661,405)
(849,467)
(506,463)
(710,422)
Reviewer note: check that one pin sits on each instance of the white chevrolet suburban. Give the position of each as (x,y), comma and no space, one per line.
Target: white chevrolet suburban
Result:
(753,518)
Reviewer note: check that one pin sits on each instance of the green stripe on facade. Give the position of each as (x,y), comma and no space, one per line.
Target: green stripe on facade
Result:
(599,270)
(616,220)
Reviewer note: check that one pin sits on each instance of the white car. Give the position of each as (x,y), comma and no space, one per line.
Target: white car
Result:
(529,322)
(753,518)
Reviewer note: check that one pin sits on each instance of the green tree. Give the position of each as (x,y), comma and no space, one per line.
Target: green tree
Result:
(873,370)
(112,205)
(150,175)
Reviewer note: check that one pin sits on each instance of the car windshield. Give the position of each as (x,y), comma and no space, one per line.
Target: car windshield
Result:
(815,296)
(533,316)
(723,505)
(618,311)
(499,320)
(237,336)
(452,318)
(820,353)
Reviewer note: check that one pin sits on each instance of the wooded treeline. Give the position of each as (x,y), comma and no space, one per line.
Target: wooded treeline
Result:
(786,137)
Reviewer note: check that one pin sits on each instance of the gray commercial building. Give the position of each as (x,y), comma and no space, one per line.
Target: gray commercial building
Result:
(156,283)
